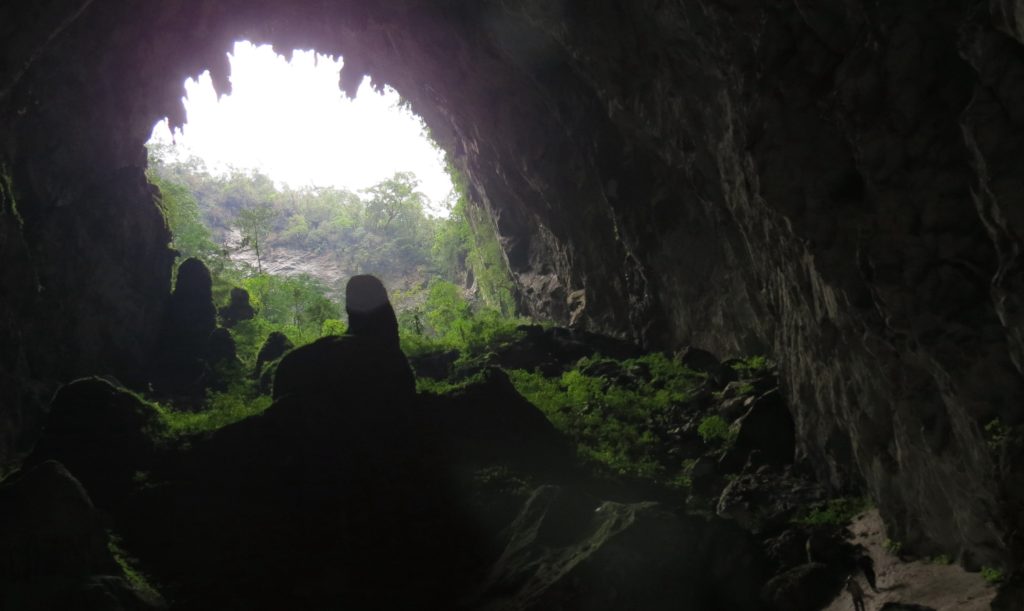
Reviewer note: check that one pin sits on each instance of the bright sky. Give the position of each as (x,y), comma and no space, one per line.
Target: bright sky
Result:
(292,122)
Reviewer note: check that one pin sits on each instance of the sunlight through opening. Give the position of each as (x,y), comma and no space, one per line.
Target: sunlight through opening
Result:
(290,121)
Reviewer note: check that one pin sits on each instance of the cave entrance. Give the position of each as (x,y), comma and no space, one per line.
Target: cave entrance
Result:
(286,188)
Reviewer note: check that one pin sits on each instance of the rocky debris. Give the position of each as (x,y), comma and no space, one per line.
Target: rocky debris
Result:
(552,350)
(434,365)
(237,309)
(890,606)
(766,500)
(54,548)
(566,550)
(101,432)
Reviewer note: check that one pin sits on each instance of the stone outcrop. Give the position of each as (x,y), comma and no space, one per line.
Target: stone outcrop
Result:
(835,183)
(237,309)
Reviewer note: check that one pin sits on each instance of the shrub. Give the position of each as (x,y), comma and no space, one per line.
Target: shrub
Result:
(714,428)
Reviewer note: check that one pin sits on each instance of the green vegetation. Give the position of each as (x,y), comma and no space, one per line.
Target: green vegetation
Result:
(753,366)
(893,547)
(613,424)
(714,428)
(239,402)
(235,222)
(127,564)
(940,559)
(992,575)
(834,512)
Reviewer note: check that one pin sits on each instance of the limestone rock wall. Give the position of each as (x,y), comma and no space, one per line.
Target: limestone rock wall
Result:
(834,183)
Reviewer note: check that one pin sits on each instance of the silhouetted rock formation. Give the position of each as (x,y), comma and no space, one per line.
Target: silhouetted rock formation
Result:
(103,433)
(185,337)
(237,309)
(369,311)
(273,348)
(365,366)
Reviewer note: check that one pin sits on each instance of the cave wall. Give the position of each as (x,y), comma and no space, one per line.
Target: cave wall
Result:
(835,183)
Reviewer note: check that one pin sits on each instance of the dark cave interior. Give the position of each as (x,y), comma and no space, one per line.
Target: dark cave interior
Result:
(831,183)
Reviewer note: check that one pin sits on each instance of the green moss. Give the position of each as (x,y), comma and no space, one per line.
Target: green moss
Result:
(992,575)
(834,512)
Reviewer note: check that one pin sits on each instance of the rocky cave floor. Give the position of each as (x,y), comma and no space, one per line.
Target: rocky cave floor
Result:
(355,492)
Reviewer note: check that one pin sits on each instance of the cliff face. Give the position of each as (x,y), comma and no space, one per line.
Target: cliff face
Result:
(836,183)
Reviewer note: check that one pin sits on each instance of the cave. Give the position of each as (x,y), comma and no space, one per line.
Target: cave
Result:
(830,183)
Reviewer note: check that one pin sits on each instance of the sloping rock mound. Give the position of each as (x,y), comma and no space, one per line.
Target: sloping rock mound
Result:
(54,548)
(567,551)
(491,421)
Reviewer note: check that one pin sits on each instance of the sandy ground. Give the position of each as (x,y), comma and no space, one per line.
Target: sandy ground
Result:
(941,587)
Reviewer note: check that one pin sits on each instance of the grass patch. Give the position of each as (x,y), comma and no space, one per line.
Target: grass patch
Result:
(239,402)
(614,425)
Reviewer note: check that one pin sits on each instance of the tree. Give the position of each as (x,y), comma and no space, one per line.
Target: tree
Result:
(394,205)
(255,222)
(189,235)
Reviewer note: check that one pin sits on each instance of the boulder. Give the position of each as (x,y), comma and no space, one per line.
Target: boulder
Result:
(273,348)
(237,309)
(808,587)
(569,551)
(103,433)
(490,421)
(363,368)
(698,360)
(767,428)
(345,370)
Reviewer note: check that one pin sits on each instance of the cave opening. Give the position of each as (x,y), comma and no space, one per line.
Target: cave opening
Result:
(670,173)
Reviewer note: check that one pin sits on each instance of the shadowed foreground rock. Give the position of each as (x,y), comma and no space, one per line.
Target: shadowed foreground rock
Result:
(54,548)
